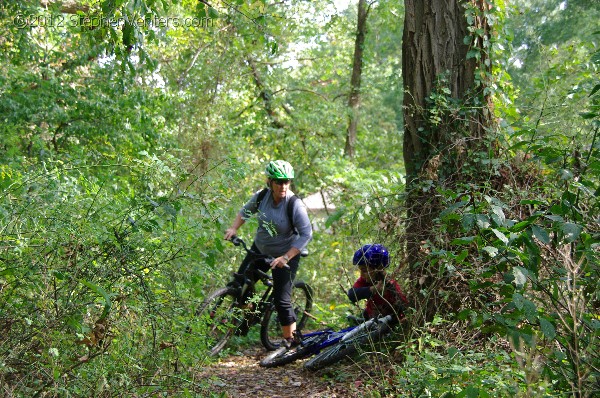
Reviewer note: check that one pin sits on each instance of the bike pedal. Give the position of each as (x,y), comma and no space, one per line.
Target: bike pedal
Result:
(289,343)
(297,337)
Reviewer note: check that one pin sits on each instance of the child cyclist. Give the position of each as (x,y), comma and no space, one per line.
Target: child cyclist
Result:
(383,294)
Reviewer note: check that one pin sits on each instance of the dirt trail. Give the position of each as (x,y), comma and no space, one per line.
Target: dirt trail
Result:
(241,376)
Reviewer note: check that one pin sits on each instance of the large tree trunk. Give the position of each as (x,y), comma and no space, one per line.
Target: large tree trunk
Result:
(436,139)
(354,98)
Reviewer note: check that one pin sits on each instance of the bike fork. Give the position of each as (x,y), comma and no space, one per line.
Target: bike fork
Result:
(357,330)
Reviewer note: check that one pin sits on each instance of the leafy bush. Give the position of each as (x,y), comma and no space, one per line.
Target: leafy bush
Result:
(436,367)
(530,258)
(98,278)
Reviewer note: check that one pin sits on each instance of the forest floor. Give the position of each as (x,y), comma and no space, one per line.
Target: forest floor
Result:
(241,375)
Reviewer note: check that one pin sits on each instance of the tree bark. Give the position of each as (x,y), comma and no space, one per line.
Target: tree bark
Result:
(434,60)
(355,81)
(433,44)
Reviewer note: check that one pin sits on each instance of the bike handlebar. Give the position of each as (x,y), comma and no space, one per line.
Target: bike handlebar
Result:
(238,241)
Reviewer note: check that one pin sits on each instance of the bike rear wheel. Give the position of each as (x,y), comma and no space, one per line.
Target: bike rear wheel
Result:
(283,356)
(348,348)
(270,327)
(220,315)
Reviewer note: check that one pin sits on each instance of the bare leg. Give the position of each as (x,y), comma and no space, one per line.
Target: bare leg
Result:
(288,330)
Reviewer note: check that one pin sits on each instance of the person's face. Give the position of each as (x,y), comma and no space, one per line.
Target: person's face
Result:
(279,188)
(371,275)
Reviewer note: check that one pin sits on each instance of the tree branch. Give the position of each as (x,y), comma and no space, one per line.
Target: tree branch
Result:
(265,95)
(66,6)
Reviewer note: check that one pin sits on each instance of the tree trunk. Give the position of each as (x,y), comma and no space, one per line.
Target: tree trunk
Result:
(437,139)
(354,98)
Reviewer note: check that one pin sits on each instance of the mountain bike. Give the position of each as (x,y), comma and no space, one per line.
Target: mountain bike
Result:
(229,311)
(329,346)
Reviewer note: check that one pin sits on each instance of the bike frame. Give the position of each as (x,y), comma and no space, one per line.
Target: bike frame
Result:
(251,268)
(249,282)
(266,280)
(333,337)
(320,342)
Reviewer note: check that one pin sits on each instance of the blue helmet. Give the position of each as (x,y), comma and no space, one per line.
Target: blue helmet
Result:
(373,256)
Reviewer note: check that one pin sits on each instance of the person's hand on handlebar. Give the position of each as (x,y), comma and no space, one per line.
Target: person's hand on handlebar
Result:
(230,233)
(282,261)
(279,262)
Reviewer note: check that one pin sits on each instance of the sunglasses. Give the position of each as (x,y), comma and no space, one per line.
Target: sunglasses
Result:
(281,182)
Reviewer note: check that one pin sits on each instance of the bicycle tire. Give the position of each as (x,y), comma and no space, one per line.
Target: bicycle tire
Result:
(222,306)
(283,356)
(270,328)
(348,348)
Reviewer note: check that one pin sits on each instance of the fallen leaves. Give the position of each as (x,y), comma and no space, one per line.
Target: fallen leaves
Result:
(241,376)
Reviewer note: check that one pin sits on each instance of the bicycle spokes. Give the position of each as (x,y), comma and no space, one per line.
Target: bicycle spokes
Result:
(219,317)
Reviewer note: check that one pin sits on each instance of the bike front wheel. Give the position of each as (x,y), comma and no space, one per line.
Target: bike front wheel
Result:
(218,317)
(283,356)
(270,327)
(348,348)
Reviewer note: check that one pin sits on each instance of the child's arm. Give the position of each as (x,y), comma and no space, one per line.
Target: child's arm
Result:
(359,293)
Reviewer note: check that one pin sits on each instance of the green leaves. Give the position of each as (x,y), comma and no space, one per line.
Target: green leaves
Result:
(539,241)
(500,236)
(570,231)
(520,277)
(547,329)
(89,242)
(205,11)
(492,251)
(101,292)
(541,234)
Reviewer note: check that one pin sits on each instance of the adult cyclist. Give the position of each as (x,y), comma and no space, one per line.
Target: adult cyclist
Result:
(278,236)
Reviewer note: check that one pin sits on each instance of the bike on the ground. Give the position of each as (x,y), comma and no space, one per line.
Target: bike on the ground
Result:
(330,346)
(229,311)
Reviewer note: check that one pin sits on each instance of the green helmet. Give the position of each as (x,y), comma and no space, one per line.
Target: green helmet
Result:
(279,169)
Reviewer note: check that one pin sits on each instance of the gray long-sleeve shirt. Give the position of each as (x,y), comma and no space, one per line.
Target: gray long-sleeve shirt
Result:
(275,233)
